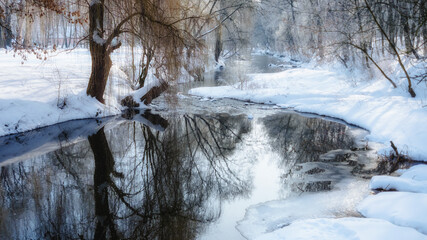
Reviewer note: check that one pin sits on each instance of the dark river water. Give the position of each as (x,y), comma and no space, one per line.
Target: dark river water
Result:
(186,170)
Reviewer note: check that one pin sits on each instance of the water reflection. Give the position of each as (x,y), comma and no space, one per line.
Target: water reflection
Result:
(132,182)
(18,147)
(316,154)
(236,69)
(145,176)
(302,139)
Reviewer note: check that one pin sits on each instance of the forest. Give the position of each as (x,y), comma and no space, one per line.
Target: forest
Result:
(174,35)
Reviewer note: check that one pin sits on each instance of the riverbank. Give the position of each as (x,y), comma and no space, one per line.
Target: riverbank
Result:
(389,114)
(37,93)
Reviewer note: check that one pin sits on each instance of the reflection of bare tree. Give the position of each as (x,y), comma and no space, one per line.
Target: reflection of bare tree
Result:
(316,152)
(301,139)
(143,183)
(183,168)
(104,167)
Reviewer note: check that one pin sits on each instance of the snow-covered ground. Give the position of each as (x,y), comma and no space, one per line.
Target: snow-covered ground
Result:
(33,93)
(407,207)
(389,114)
(37,93)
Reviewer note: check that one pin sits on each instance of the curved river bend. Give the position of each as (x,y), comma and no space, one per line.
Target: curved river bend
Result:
(187,171)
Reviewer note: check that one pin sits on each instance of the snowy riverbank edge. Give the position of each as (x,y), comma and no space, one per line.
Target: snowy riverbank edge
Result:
(36,94)
(389,114)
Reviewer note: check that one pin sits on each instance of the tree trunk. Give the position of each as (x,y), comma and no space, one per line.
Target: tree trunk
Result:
(154,92)
(391,26)
(6,29)
(406,31)
(424,17)
(101,61)
(218,42)
(101,65)
(410,90)
(28,28)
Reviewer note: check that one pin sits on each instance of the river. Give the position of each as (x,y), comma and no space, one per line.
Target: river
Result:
(187,169)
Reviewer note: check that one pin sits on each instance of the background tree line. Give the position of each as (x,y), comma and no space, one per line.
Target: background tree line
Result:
(168,37)
(164,37)
(356,32)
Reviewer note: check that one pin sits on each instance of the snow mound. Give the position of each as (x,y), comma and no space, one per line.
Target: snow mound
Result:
(405,208)
(270,216)
(418,172)
(343,229)
(401,208)
(398,184)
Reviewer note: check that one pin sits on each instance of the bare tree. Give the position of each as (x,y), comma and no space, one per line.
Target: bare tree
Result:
(393,47)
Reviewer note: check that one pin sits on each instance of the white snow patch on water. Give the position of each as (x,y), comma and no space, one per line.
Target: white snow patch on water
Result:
(343,229)
(270,216)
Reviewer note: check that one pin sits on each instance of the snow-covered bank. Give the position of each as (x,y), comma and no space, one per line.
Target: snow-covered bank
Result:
(390,114)
(41,93)
(20,115)
(344,229)
(407,207)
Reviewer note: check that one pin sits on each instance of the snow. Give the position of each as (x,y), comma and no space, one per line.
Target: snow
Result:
(273,215)
(418,172)
(41,93)
(98,39)
(33,92)
(408,207)
(398,184)
(20,115)
(400,214)
(389,114)
(343,229)
(400,208)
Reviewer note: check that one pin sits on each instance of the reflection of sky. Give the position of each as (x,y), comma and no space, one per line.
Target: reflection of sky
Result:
(265,177)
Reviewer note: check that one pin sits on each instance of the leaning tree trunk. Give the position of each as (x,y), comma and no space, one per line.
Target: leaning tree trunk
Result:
(154,93)
(101,61)
(394,48)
